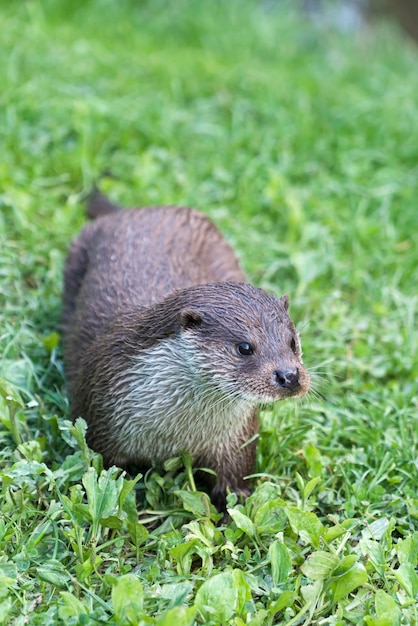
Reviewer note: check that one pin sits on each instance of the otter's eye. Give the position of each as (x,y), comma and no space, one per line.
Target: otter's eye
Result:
(293,345)
(245,348)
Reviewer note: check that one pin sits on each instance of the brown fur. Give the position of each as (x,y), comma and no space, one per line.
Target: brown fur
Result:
(155,307)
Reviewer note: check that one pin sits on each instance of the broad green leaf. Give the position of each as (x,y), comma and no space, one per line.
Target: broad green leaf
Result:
(8,574)
(127,600)
(281,563)
(264,492)
(202,530)
(173,464)
(178,616)
(11,395)
(196,502)
(217,598)
(243,592)
(407,549)
(306,525)
(387,608)
(243,522)
(383,620)
(111,522)
(176,592)
(320,565)
(138,533)
(102,493)
(183,554)
(75,429)
(14,404)
(5,610)
(25,473)
(53,572)
(72,607)
(311,594)
(310,487)
(31,451)
(77,433)
(86,568)
(346,583)
(127,488)
(80,513)
(285,599)
(387,611)
(375,530)
(260,618)
(345,564)
(271,517)
(375,553)
(407,577)
(334,532)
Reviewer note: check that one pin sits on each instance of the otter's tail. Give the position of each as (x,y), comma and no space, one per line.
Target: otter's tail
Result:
(98,205)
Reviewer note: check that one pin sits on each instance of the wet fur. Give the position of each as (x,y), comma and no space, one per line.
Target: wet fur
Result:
(155,305)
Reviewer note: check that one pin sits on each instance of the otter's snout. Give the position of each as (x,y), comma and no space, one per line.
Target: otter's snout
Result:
(288,378)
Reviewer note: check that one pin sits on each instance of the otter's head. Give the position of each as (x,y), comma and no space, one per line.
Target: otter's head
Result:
(248,345)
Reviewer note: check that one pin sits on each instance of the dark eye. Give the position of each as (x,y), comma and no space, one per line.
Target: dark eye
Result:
(245,348)
(293,345)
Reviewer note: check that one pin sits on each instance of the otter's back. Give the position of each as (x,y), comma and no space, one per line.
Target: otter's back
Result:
(134,258)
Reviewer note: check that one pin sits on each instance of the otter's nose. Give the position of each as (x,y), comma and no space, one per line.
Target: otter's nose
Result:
(289,378)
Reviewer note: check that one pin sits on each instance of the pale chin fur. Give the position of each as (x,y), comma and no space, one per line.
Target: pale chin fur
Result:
(193,414)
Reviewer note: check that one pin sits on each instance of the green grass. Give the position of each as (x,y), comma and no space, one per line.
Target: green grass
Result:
(301,143)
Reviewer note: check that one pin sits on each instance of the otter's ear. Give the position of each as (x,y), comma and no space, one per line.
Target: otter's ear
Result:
(285,301)
(190,319)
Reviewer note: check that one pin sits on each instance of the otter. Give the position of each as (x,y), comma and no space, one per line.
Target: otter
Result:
(167,347)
